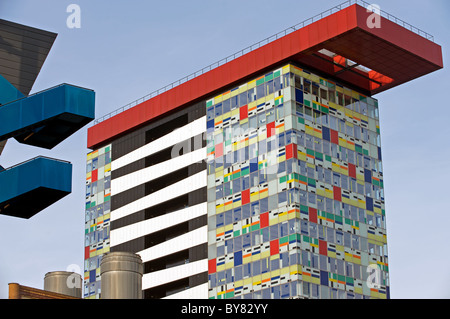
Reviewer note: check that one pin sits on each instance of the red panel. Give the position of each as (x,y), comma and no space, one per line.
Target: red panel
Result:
(211,266)
(264,220)
(274,247)
(337,193)
(323,249)
(270,129)
(94,176)
(86,252)
(219,150)
(351,170)
(313,215)
(289,151)
(334,137)
(245,196)
(243,112)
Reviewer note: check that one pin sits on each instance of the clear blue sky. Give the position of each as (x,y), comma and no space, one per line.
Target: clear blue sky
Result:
(126,49)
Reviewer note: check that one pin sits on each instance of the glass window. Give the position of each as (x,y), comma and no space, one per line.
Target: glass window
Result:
(277,83)
(218,109)
(260,91)
(274,232)
(243,99)
(307,86)
(333,123)
(94,164)
(308,114)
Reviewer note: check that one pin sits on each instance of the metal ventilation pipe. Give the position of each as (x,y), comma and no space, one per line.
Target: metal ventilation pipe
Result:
(121,276)
(63,282)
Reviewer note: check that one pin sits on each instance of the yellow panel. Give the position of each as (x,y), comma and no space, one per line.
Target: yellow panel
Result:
(269,97)
(218,99)
(286,69)
(256,280)
(220,268)
(355,95)
(235,92)
(296,70)
(256,257)
(247,281)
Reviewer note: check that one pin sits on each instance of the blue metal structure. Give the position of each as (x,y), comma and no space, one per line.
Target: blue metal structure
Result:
(29,187)
(46,118)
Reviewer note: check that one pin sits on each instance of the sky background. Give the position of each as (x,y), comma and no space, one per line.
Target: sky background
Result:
(127,49)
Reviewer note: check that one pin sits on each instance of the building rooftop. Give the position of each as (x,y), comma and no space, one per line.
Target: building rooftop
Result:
(368,51)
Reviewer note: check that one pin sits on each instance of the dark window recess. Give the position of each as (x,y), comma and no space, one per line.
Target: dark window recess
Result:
(166,234)
(173,177)
(167,207)
(176,259)
(167,289)
(189,145)
(166,128)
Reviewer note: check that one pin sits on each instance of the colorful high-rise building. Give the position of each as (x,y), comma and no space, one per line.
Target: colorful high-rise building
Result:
(261,177)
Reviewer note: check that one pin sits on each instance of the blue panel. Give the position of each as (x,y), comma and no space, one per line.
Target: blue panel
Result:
(92,275)
(324,278)
(367,176)
(299,96)
(369,204)
(210,124)
(238,258)
(326,133)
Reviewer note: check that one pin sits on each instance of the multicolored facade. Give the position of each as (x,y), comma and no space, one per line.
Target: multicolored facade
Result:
(295,190)
(97,221)
(271,188)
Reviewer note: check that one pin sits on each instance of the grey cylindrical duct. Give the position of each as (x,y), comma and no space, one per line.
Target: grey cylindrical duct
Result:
(63,282)
(121,276)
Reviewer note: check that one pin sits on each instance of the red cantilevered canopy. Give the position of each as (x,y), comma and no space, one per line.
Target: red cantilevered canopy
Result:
(342,46)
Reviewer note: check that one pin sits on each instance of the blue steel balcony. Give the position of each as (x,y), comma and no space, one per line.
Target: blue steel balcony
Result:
(29,187)
(46,118)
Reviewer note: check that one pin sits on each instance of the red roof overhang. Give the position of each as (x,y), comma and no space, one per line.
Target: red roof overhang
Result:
(391,55)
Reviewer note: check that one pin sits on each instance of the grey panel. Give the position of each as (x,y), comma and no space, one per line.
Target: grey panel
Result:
(23,51)
(198,279)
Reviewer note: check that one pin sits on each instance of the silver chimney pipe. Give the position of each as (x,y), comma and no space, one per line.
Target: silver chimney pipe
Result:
(121,276)
(63,282)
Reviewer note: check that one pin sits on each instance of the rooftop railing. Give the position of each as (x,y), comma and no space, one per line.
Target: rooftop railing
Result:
(267,40)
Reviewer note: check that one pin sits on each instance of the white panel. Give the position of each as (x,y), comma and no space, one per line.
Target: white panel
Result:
(182,187)
(133,231)
(197,292)
(179,135)
(193,238)
(165,276)
(145,175)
